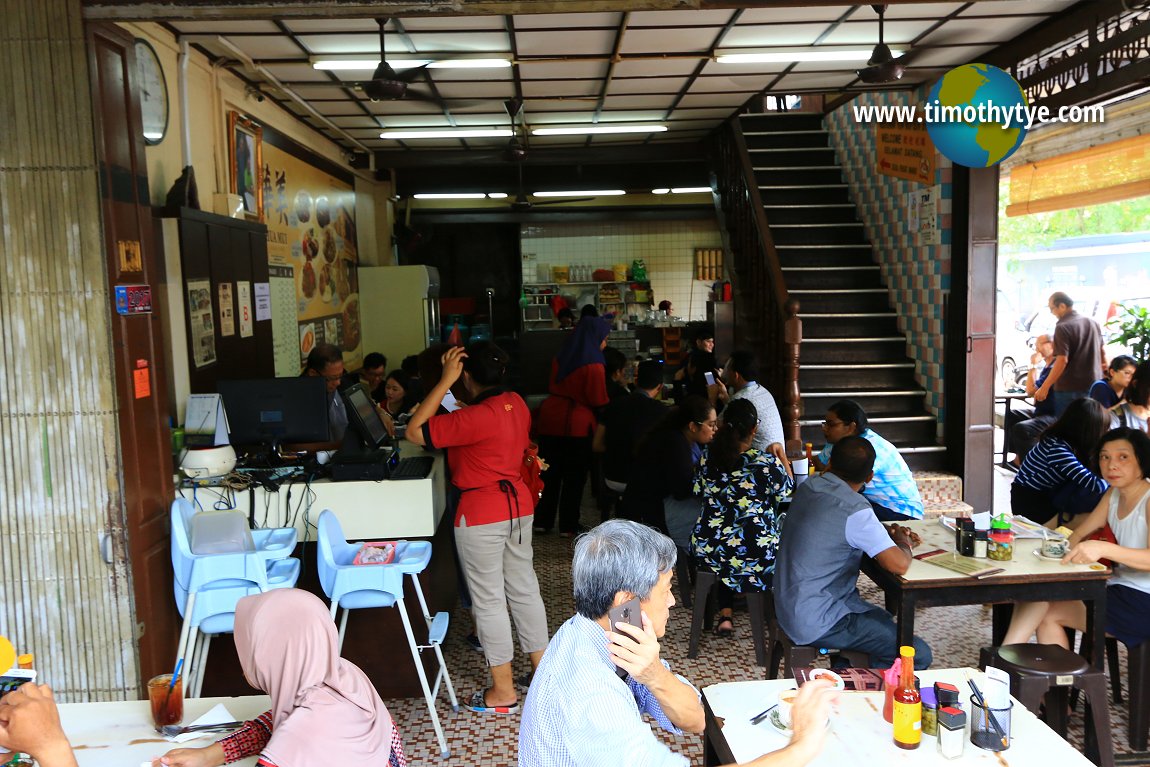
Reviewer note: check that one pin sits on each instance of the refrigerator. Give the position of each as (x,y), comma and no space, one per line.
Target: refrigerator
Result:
(399,310)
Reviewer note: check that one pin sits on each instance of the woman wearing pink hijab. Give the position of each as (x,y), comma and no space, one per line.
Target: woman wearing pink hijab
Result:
(288,647)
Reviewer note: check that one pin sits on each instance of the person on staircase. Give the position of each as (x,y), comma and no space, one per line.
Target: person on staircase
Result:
(892,492)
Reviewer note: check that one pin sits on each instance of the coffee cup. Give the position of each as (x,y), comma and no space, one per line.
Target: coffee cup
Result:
(1055,548)
(786,703)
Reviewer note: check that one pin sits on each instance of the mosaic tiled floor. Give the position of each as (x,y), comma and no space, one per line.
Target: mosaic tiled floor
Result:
(955,634)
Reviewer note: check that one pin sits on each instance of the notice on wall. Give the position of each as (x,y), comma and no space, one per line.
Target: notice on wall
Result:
(200,323)
(227,310)
(263,301)
(142,380)
(285,341)
(922,215)
(904,150)
(244,307)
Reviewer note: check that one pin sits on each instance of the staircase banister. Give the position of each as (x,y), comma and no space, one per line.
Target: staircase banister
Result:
(778,284)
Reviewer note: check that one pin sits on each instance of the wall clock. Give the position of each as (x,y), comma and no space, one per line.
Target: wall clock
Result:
(153,93)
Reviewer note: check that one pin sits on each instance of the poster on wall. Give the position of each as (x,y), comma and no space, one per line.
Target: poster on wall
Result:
(904,150)
(310,215)
(244,308)
(245,154)
(227,310)
(282,305)
(200,323)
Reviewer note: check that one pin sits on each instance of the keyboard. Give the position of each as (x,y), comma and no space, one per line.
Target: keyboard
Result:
(415,467)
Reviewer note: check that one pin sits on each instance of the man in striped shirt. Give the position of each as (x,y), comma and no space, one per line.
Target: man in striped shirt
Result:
(595,682)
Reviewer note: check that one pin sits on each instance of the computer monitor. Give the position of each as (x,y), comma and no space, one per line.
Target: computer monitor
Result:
(272,411)
(363,419)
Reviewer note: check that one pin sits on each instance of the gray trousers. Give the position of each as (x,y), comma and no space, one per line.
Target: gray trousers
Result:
(500,573)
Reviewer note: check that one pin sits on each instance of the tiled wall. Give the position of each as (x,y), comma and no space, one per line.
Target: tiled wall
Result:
(667,247)
(918,276)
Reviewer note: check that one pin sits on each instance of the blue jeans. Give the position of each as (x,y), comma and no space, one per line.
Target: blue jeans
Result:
(1062,399)
(873,632)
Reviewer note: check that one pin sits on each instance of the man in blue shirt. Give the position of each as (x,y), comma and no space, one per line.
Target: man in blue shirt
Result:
(595,682)
(892,491)
(828,529)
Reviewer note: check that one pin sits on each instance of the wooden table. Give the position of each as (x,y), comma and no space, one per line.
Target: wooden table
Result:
(859,735)
(120,733)
(1026,578)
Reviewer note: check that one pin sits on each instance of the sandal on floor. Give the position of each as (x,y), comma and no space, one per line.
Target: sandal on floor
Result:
(725,627)
(523,681)
(478,704)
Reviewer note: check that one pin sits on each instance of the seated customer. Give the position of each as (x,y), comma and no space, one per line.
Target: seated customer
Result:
(737,534)
(740,379)
(1110,391)
(1124,456)
(326,361)
(579,712)
(371,375)
(30,723)
(1134,412)
(1055,479)
(324,708)
(1023,425)
(828,529)
(892,491)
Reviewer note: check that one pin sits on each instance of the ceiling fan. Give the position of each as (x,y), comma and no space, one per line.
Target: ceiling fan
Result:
(388,85)
(517,151)
(882,66)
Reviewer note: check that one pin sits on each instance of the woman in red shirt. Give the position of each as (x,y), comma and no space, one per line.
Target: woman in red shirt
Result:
(493,520)
(566,422)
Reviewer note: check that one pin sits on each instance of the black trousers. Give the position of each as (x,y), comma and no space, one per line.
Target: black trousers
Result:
(568,463)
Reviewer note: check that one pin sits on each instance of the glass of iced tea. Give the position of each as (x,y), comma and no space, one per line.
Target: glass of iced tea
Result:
(167,700)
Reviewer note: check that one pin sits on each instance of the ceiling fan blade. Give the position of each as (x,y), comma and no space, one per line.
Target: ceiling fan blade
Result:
(410,75)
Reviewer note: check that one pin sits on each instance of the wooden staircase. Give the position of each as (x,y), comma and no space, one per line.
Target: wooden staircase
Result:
(852,347)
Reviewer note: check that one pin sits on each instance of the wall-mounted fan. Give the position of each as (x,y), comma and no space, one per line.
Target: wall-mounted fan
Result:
(882,66)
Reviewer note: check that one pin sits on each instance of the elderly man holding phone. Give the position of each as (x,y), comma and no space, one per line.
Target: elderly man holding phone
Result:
(600,675)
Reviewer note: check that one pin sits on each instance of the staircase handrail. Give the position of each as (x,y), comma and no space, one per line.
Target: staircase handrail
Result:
(770,324)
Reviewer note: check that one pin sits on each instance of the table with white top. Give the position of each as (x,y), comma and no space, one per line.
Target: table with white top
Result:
(1025,578)
(120,733)
(859,735)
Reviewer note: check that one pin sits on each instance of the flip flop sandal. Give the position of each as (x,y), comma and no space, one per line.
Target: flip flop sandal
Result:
(725,627)
(523,681)
(478,704)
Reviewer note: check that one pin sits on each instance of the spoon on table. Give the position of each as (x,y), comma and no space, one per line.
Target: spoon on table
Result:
(172,730)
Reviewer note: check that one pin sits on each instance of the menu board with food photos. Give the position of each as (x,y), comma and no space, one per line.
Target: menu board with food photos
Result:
(310,216)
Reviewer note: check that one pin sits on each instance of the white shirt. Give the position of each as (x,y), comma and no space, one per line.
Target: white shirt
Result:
(770,428)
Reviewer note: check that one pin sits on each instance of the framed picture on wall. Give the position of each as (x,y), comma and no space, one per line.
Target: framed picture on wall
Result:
(245,153)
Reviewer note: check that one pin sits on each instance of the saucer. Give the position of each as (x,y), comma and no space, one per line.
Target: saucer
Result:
(774,720)
(1038,553)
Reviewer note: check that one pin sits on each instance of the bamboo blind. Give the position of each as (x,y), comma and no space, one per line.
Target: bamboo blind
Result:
(58,430)
(1117,170)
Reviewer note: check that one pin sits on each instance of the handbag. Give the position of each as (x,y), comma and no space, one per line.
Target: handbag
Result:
(531,470)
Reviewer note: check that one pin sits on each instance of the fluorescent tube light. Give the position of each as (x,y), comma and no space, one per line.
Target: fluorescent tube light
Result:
(786,57)
(581,130)
(582,193)
(497,195)
(661,190)
(369,63)
(452,196)
(691,190)
(448,133)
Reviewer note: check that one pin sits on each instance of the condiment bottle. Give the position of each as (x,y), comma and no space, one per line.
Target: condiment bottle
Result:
(947,695)
(951,728)
(980,544)
(907,704)
(27,660)
(1001,544)
(810,459)
(929,711)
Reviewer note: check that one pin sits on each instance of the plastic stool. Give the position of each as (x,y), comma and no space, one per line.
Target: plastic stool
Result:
(705,583)
(1040,671)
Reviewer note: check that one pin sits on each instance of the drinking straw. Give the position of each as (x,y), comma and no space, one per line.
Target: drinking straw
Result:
(175,675)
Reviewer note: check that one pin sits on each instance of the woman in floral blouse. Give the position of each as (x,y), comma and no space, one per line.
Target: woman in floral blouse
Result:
(738,531)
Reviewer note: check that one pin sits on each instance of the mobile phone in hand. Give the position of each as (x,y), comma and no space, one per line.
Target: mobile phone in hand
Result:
(14,678)
(628,612)
(709,377)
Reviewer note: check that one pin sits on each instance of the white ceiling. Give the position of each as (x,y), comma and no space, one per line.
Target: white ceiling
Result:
(664,70)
